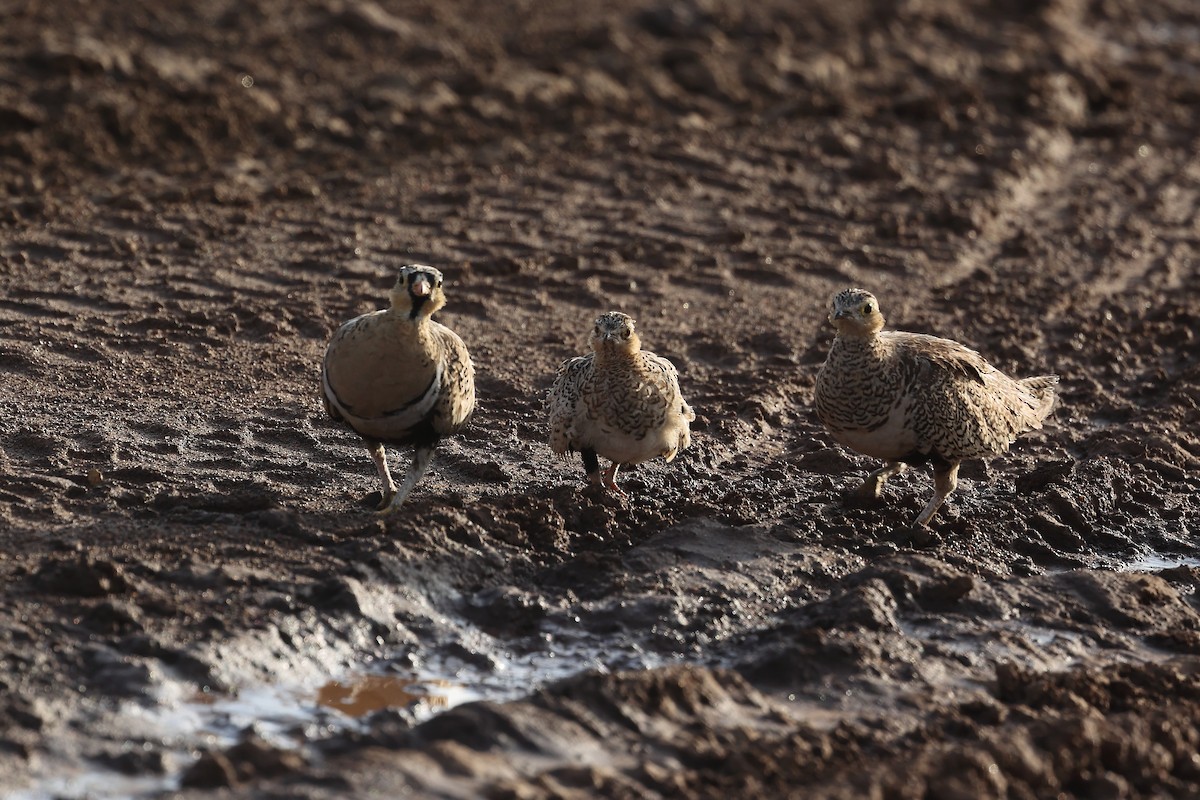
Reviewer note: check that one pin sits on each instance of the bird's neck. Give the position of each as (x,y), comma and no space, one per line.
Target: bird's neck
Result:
(860,345)
(615,355)
(417,328)
(404,314)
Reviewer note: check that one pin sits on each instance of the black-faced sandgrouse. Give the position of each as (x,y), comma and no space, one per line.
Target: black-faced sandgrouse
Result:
(397,377)
(620,402)
(909,398)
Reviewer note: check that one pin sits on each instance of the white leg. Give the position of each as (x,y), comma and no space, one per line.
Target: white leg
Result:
(945,481)
(610,479)
(872,486)
(380,459)
(420,462)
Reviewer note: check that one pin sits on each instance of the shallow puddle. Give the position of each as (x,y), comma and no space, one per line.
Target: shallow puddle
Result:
(1156,562)
(286,715)
(366,694)
(93,783)
(293,715)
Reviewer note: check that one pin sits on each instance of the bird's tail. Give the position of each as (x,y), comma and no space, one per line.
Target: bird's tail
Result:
(1044,390)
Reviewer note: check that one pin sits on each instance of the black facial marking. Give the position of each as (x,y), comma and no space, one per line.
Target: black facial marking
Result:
(417,303)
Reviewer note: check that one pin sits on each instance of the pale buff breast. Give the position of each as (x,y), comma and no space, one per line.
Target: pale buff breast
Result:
(894,438)
(380,380)
(627,448)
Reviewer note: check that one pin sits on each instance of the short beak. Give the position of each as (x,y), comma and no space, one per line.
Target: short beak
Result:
(420,286)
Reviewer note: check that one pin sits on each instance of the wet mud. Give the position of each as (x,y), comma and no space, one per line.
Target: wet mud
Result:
(197,598)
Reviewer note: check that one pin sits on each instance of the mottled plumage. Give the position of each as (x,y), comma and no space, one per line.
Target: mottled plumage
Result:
(908,398)
(397,377)
(619,402)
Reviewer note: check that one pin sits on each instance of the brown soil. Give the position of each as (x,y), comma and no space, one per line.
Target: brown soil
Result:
(194,199)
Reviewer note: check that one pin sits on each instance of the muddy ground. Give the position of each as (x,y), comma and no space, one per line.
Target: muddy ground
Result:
(193,200)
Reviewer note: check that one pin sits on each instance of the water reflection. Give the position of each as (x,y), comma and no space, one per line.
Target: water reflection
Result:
(365,694)
(1157,562)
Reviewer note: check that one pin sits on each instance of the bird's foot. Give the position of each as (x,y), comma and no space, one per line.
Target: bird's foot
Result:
(602,485)
(918,536)
(617,490)
(609,479)
(373,501)
(871,489)
(385,501)
(867,493)
(393,506)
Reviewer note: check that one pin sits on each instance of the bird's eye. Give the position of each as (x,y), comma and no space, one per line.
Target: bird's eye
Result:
(625,334)
(868,309)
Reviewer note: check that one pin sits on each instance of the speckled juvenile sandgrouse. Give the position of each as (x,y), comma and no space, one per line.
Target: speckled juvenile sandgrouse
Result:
(397,377)
(619,402)
(908,398)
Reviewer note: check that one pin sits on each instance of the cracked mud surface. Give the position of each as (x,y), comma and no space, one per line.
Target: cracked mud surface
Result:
(194,200)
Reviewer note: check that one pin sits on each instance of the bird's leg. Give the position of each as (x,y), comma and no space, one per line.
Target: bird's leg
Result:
(945,479)
(420,463)
(872,485)
(591,465)
(610,475)
(380,459)
(610,479)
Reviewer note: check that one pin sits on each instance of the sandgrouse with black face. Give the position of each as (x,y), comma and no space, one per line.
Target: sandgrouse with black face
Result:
(397,377)
(908,398)
(620,402)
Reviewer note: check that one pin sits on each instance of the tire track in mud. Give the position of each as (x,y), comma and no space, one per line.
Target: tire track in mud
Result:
(1033,192)
(1157,253)
(1095,251)
(1084,247)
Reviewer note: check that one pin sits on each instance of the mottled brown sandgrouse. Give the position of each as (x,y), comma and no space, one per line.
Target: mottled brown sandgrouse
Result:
(397,377)
(908,398)
(620,402)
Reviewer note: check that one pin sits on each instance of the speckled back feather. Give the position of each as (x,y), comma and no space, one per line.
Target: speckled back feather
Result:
(909,398)
(954,403)
(626,407)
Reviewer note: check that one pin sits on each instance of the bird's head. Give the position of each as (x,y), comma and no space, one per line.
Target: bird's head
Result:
(855,312)
(418,291)
(614,332)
